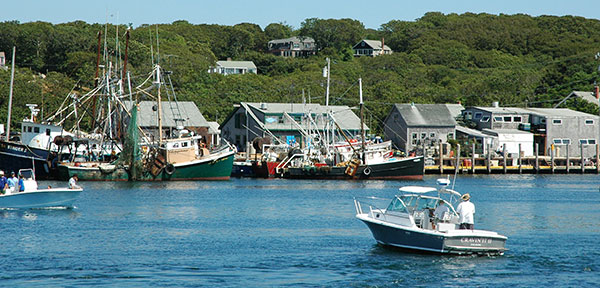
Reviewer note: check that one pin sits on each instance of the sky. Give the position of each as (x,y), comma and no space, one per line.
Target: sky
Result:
(230,12)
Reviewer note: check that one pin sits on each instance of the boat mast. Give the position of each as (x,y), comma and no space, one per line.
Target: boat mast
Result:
(159,108)
(362,127)
(10,93)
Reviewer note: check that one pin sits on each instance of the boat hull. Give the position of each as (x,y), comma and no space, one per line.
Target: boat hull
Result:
(401,169)
(58,197)
(15,156)
(460,242)
(216,167)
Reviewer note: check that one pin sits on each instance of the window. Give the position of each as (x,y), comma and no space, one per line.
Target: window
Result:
(469,115)
(184,144)
(517,119)
(415,135)
(583,141)
(498,119)
(271,119)
(507,119)
(47,132)
(29,129)
(591,141)
(423,135)
(432,135)
(485,119)
(450,135)
(560,141)
(36,129)
(556,121)
(543,120)
(477,115)
(589,122)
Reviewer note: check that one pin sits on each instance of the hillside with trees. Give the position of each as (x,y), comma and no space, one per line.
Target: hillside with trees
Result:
(473,59)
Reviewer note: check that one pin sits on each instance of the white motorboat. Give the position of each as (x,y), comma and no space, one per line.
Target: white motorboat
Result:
(409,222)
(33,197)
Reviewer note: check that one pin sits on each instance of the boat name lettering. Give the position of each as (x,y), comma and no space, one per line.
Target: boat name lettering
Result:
(475,240)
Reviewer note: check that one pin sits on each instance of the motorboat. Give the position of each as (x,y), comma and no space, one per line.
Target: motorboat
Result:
(34,197)
(409,222)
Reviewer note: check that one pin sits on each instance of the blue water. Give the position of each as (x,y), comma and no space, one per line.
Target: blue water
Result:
(272,233)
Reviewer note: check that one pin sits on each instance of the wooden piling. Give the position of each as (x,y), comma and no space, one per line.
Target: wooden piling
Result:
(473,158)
(567,158)
(504,156)
(597,159)
(441,158)
(520,164)
(489,169)
(457,158)
(537,162)
(552,160)
(582,160)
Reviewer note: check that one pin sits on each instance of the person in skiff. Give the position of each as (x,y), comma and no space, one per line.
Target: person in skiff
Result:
(73,182)
(3,183)
(465,210)
(12,182)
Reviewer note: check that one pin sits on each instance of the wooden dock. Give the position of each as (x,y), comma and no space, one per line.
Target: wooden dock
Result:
(519,165)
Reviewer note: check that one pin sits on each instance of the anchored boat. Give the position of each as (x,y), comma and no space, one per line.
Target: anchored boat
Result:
(409,222)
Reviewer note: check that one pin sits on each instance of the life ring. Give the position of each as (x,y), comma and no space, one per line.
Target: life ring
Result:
(170,169)
(367,171)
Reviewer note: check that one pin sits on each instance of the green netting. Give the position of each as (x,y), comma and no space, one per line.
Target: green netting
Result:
(131,155)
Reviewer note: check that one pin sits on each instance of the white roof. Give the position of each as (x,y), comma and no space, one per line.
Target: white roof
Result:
(237,64)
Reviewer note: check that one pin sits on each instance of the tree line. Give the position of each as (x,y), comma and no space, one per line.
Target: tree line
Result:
(473,59)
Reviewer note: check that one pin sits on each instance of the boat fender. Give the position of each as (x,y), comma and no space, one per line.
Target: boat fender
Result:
(367,171)
(170,169)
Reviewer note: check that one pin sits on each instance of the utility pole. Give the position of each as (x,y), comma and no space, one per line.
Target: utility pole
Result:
(10,93)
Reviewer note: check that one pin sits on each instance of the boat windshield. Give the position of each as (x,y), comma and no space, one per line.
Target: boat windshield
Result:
(417,202)
(397,206)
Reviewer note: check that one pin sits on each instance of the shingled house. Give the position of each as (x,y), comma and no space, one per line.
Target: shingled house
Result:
(285,121)
(293,47)
(411,126)
(371,48)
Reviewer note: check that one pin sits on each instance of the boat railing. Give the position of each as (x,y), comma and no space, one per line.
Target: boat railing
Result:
(373,208)
(287,160)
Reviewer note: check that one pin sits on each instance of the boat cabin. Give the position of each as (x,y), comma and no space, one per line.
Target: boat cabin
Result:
(414,209)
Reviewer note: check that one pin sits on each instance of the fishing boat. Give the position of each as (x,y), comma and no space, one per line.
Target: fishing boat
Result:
(352,159)
(34,197)
(408,222)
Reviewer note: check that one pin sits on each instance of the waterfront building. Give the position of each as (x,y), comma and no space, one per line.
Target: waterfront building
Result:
(287,122)
(412,126)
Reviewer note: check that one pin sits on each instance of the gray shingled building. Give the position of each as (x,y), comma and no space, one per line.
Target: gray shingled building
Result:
(284,120)
(411,126)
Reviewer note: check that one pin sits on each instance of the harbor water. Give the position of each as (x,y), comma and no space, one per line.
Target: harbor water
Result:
(273,233)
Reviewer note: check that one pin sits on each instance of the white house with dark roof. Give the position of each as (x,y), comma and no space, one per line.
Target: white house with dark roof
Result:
(233,67)
(371,48)
(412,126)
(284,120)
(293,47)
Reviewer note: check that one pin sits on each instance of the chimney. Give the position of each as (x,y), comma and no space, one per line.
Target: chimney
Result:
(228,58)
(597,92)
(382,46)
(495,104)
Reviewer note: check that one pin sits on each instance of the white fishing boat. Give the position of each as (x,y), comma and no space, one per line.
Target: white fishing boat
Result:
(34,197)
(409,222)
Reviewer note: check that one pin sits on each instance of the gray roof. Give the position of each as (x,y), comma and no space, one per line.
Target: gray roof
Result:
(455,109)
(472,132)
(342,114)
(587,96)
(504,110)
(294,39)
(375,44)
(185,110)
(560,112)
(213,128)
(237,64)
(436,115)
